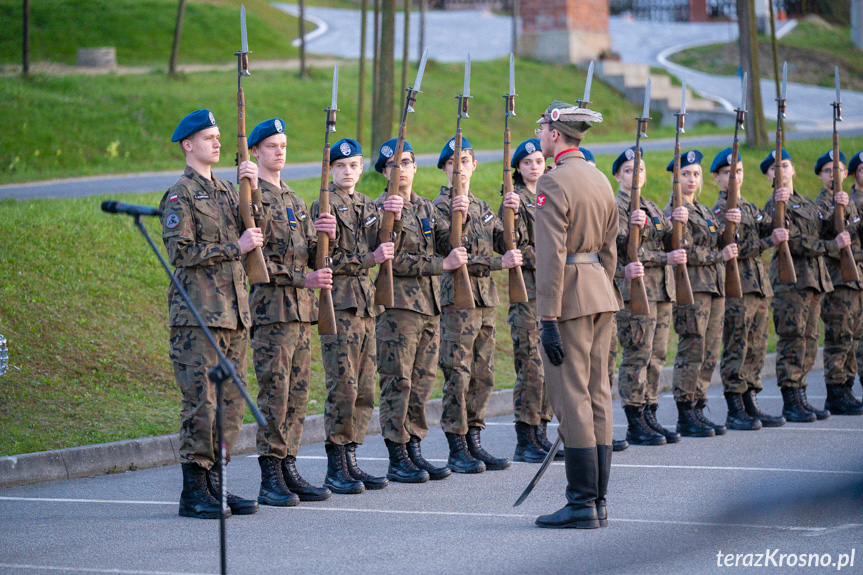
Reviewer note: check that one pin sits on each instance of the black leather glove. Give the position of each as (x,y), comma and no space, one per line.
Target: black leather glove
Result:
(550,339)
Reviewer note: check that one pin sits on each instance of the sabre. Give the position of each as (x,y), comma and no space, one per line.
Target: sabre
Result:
(549,457)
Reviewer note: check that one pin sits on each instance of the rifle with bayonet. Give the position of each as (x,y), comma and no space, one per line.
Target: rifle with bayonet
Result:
(733,288)
(326,314)
(251,205)
(787,275)
(462,292)
(384,294)
(637,291)
(681,276)
(846,257)
(517,289)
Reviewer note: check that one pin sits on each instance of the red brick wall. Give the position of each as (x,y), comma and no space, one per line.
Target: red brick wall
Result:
(548,15)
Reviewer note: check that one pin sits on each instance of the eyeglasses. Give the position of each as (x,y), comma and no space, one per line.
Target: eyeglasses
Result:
(405,164)
(538,131)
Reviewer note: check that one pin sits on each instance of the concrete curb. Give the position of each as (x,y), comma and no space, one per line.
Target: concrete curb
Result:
(144,452)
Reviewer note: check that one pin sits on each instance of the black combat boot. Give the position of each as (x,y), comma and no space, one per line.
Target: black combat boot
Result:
(603,467)
(750,403)
(298,485)
(474,445)
(338,480)
(819,413)
(638,432)
(402,469)
(370,481)
(699,414)
(849,393)
(688,425)
(582,487)
(196,500)
(527,449)
(838,403)
(792,409)
(273,489)
(416,455)
(650,419)
(238,505)
(542,439)
(737,417)
(460,460)
(619,444)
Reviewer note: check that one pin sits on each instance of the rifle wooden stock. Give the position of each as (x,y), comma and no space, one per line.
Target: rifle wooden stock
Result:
(683,289)
(462,292)
(847,265)
(517,289)
(733,287)
(787,275)
(638,303)
(326,313)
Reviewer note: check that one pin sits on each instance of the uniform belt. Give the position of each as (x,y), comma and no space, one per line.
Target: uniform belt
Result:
(591,258)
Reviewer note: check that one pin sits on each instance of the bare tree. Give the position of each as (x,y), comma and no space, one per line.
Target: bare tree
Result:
(364,7)
(376,58)
(756,129)
(406,56)
(383,120)
(25,44)
(303,73)
(424,6)
(516,8)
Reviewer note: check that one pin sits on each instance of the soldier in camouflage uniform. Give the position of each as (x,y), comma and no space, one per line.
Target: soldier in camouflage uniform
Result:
(855,169)
(744,335)
(841,309)
(205,241)
(408,333)
(700,327)
(282,314)
(468,335)
(796,307)
(349,356)
(644,338)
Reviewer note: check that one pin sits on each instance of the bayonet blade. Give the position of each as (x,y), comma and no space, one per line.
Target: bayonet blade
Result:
(784,91)
(421,70)
(334,104)
(838,95)
(683,97)
(244,40)
(743,92)
(511,74)
(545,463)
(466,91)
(646,111)
(587,84)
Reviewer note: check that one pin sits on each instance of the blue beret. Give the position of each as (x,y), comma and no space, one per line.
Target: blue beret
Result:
(194,123)
(588,155)
(723,159)
(625,156)
(771,157)
(686,159)
(828,159)
(449,150)
(386,152)
(264,130)
(856,160)
(345,148)
(523,150)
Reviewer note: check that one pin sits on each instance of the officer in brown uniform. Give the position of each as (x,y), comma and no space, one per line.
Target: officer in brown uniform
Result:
(468,335)
(855,169)
(282,314)
(205,240)
(350,356)
(841,309)
(408,332)
(576,255)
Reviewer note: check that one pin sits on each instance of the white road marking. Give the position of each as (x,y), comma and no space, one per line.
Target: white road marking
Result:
(69,500)
(731,468)
(89,570)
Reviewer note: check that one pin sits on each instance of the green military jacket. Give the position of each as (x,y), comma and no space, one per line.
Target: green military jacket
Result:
(807,226)
(852,223)
(753,238)
(704,261)
(655,243)
(484,236)
(525,222)
(289,246)
(201,227)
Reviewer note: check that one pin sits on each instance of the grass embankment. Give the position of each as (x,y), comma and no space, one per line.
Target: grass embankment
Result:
(83,307)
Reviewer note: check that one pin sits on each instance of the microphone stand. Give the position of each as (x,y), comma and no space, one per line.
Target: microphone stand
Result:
(219,375)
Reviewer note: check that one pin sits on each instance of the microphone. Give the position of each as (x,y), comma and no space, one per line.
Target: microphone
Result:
(113,207)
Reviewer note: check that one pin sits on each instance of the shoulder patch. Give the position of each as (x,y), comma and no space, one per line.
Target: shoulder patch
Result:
(540,200)
(172,221)
(759,217)
(174,198)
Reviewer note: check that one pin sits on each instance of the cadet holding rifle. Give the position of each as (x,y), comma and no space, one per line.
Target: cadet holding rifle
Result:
(855,169)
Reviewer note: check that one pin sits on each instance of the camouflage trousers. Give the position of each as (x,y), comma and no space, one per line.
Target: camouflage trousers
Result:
(699,330)
(795,315)
(408,345)
(744,342)
(350,361)
(644,340)
(193,357)
(467,360)
(841,312)
(612,358)
(282,353)
(529,399)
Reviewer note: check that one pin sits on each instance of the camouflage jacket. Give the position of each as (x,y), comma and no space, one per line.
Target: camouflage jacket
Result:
(655,243)
(484,236)
(417,265)
(852,223)
(856,196)
(753,238)
(525,236)
(357,222)
(289,246)
(704,261)
(201,227)
(807,227)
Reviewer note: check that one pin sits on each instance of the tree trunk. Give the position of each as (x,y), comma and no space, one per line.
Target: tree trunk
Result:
(424,4)
(302,39)
(364,7)
(178,31)
(775,48)
(406,54)
(25,44)
(383,122)
(376,59)
(516,8)
(756,129)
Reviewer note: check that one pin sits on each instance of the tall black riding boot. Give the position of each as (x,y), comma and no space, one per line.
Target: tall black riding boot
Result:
(582,486)
(238,505)
(196,500)
(474,445)
(688,425)
(527,448)
(401,468)
(792,409)
(416,455)
(295,482)
(650,419)
(273,489)
(837,402)
(460,460)
(750,403)
(737,417)
(849,393)
(542,439)
(619,444)
(370,481)
(603,466)
(819,413)
(699,414)
(638,432)
(338,479)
